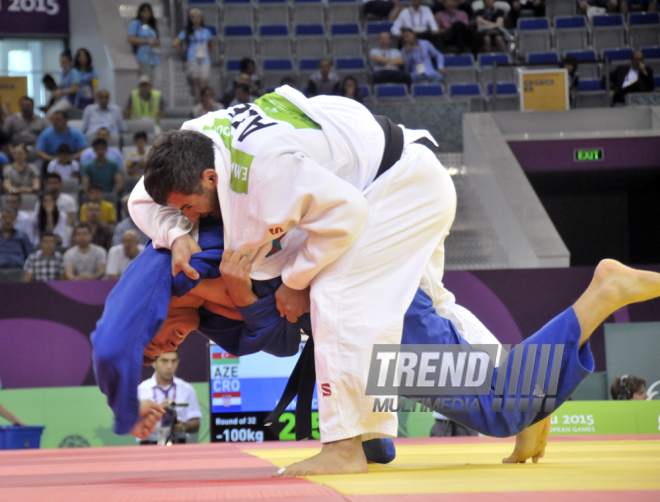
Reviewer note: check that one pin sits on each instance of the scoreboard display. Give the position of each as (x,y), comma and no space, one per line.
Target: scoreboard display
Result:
(243,392)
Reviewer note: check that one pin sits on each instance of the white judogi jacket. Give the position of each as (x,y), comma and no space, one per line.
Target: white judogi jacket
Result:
(291,173)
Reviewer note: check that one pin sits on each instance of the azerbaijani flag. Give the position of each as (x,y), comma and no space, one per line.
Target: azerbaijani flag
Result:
(226,399)
(223,358)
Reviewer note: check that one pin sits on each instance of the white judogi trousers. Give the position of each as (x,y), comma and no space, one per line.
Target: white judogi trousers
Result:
(361,298)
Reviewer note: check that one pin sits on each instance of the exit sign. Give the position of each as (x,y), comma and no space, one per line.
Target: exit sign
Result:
(591,155)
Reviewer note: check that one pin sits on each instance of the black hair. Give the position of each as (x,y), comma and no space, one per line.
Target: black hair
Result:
(140,135)
(96,186)
(64,113)
(152,20)
(43,216)
(204,89)
(76,63)
(99,142)
(49,82)
(82,224)
(244,64)
(64,148)
(190,29)
(67,54)
(242,86)
(4,138)
(176,162)
(27,98)
(53,175)
(570,59)
(632,385)
(47,233)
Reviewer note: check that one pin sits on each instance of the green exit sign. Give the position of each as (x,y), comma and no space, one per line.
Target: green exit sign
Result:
(584,155)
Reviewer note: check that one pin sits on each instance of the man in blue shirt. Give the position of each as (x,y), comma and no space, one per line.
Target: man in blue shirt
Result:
(60,133)
(417,56)
(15,246)
(102,170)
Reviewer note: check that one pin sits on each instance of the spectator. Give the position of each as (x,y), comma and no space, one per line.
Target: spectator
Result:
(63,165)
(89,79)
(101,233)
(165,388)
(206,105)
(640,5)
(45,264)
(629,387)
(88,154)
(65,95)
(121,255)
(199,41)
(25,126)
(143,36)
(517,6)
(108,213)
(571,65)
(23,221)
(349,89)
(145,101)
(324,81)
(127,224)
(51,86)
(387,62)
(382,9)
(611,6)
(103,114)
(464,5)
(417,56)
(84,261)
(65,203)
(420,20)
(59,133)
(248,67)
(242,95)
(47,218)
(290,81)
(4,149)
(630,79)
(490,22)
(102,170)
(20,176)
(15,246)
(7,415)
(134,156)
(229,95)
(454,26)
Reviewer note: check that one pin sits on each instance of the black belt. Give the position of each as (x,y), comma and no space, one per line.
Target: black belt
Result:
(303,377)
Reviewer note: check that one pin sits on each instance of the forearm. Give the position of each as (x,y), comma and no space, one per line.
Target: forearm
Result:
(161,224)
(7,415)
(44,156)
(191,426)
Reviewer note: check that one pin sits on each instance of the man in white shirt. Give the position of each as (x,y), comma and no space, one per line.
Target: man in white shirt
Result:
(418,18)
(165,388)
(23,221)
(103,114)
(121,255)
(66,204)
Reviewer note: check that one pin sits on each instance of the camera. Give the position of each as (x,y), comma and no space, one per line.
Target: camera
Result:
(166,433)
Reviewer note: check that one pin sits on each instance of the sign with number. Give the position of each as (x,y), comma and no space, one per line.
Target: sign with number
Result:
(34,17)
(543,90)
(243,392)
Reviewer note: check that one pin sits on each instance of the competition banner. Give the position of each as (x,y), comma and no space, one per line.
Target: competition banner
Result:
(34,17)
(543,90)
(244,390)
(12,89)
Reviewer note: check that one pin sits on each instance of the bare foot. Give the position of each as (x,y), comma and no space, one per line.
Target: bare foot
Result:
(530,443)
(339,457)
(614,286)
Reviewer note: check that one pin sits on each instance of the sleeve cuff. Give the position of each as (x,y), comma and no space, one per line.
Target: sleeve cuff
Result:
(260,314)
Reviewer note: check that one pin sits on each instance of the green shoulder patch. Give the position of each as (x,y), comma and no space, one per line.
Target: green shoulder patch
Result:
(279,108)
(240,161)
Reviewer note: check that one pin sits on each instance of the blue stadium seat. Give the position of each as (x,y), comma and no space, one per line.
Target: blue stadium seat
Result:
(355,67)
(495,57)
(391,91)
(233,65)
(607,32)
(503,89)
(238,30)
(571,32)
(278,65)
(586,70)
(427,91)
(460,69)
(534,34)
(582,56)
(651,52)
(238,12)
(656,80)
(643,28)
(190,2)
(550,57)
(366,91)
(274,41)
(617,55)
(590,84)
(346,40)
(306,67)
(311,41)
(486,62)
(343,11)
(308,11)
(464,90)
(376,27)
(591,94)
(273,11)
(239,42)
(274,70)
